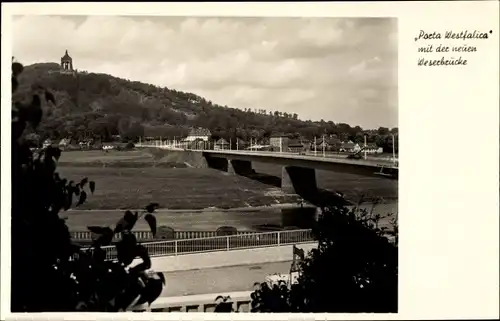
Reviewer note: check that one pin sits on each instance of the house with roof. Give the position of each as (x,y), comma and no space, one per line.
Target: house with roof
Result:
(221,144)
(198,143)
(329,143)
(372,149)
(349,147)
(63,143)
(295,146)
(241,144)
(279,142)
(197,134)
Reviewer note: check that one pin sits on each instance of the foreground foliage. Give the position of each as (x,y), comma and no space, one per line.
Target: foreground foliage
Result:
(49,272)
(354,268)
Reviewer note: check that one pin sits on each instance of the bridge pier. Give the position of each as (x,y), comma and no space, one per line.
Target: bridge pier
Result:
(239,167)
(298,180)
(221,164)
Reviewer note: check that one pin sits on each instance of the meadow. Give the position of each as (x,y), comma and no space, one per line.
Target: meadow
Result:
(132,179)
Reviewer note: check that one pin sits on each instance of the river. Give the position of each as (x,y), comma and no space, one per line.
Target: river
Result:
(243,219)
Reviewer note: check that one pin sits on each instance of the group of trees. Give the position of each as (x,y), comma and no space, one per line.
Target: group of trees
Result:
(275,113)
(101,106)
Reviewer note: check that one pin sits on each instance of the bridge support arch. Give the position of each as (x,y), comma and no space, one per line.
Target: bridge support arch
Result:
(239,167)
(217,163)
(298,180)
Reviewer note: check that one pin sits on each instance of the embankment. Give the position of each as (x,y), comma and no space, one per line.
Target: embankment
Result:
(189,158)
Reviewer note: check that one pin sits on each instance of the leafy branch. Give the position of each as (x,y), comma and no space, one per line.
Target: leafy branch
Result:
(59,275)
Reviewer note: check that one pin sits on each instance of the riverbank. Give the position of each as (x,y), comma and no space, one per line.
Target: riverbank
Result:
(243,219)
(206,210)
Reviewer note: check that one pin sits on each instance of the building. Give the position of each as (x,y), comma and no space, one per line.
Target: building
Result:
(86,143)
(306,143)
(241,144)
(198,144)
(295,146)
(349,147)
(198,133)
(64,142)
(373,149)
(329,143)
(279,142)
(221,144)
(67,62)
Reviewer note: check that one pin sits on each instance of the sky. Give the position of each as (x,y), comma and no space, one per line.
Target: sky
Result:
(336,69)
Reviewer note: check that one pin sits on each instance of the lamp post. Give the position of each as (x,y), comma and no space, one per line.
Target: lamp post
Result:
(393,150)
(323,143)
(365,147)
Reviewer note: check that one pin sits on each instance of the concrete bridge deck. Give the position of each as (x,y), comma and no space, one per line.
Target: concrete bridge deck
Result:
(297,156)
(359,167)
(298,171)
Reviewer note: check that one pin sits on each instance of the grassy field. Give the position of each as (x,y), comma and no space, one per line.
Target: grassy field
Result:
(132,179)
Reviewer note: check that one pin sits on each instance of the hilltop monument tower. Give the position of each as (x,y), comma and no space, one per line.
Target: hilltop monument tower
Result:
(67,62)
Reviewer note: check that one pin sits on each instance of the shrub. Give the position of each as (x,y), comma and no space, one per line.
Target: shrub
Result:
(224,304)
(226,230)
(354,268)
(165,233)
(48,271)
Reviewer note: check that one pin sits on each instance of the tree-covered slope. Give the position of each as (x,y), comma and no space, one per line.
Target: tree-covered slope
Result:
(100,105)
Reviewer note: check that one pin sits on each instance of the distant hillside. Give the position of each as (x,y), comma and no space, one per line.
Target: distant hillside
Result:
(100,105)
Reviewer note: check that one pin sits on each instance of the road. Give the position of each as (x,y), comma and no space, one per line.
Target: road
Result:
(183,220)
(220,280)
(332,159)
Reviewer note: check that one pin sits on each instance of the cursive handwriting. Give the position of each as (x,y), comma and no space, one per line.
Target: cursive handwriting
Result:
(463,35)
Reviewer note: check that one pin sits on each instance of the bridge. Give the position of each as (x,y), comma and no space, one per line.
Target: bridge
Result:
(298,174)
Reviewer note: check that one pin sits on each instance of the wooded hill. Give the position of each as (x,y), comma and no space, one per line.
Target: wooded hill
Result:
(100,106)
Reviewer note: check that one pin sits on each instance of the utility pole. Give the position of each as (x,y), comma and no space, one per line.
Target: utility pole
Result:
(315,149)
(393,150)
(323,143)
(365,146)
(281,144)
(237,145)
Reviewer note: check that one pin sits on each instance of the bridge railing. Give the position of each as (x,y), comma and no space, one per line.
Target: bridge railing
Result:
(148,235)
(387,161)
(221,243)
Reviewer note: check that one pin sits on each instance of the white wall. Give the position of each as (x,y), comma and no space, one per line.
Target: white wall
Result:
(192,138)
(198,303)
(226,258)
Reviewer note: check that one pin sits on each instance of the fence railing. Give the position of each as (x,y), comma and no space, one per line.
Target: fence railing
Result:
(148,235)
(221,243)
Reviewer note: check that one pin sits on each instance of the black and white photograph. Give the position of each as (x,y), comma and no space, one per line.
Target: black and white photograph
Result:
(233,161)
(204,164)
